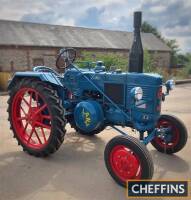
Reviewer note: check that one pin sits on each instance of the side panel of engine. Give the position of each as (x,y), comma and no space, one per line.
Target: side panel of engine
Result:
(117,86)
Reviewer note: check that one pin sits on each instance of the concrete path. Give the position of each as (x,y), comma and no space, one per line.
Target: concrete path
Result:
(77,170)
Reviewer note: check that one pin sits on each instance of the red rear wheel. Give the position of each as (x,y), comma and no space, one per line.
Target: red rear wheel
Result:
(36,116)
(126,159)
(31,118)
(175,139)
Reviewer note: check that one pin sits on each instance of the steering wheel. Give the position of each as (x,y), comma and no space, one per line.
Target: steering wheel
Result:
(65,58)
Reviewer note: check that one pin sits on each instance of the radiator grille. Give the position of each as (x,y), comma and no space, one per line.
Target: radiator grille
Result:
(115,92)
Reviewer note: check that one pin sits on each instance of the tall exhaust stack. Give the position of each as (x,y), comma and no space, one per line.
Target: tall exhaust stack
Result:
(136,53)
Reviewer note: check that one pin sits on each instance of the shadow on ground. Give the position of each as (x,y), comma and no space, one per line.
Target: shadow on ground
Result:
(75,170)
(165,163)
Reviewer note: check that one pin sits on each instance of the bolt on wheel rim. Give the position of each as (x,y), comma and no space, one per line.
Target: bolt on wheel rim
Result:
(31,118)
(125,163)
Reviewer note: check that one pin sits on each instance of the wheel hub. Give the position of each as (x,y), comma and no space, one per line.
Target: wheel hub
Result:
(124,163)
(170,135)
(33,118)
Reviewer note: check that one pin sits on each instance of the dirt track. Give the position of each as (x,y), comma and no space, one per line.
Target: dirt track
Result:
(77,170)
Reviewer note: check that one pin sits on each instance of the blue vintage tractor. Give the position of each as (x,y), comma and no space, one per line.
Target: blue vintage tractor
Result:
(43,101)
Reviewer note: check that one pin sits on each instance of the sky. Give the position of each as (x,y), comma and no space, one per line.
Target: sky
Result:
(171,17)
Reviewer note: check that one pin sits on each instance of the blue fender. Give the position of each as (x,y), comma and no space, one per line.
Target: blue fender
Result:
(43,76)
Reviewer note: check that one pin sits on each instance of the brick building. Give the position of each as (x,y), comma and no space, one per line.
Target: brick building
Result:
(24,45)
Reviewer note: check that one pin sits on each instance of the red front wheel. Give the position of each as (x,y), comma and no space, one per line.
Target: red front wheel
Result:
(126,159)
(175,138)
(36,117)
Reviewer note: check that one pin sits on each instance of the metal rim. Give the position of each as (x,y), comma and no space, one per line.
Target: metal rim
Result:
(175,133)
(31,118)
(125,163)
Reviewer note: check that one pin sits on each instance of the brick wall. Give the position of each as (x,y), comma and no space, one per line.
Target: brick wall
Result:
(10,58)
(161,59)
(23,58)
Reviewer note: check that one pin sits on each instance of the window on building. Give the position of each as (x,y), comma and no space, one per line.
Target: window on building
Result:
(38,62)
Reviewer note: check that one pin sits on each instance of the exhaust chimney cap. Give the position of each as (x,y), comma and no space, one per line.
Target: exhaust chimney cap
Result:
(137,19)
(136,52)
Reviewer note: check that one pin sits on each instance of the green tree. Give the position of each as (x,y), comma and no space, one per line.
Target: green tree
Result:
(173,45)
(187,63)
(110,59)
(148,28)
(148,62)
(183,59)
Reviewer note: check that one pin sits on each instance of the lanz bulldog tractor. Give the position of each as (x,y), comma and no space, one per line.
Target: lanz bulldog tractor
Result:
(43,101)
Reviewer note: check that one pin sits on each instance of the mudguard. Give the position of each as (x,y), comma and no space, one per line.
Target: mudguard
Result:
(43,76)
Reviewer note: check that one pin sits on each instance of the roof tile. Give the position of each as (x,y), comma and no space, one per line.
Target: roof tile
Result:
(33,34)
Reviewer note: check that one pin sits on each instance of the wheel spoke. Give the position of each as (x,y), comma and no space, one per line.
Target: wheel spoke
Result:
(40,109)
(43,125)
(30,100)
(27,103)
(37,136)
(43,134)
(46,117)
(21,118)
(23,111)
(31,133)
(26,125)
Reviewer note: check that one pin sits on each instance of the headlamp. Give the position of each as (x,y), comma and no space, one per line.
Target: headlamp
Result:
(137,93)
(170,84)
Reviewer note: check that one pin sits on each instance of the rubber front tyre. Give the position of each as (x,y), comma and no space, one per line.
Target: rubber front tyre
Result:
(126,159)
(36,117)
(178,134)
